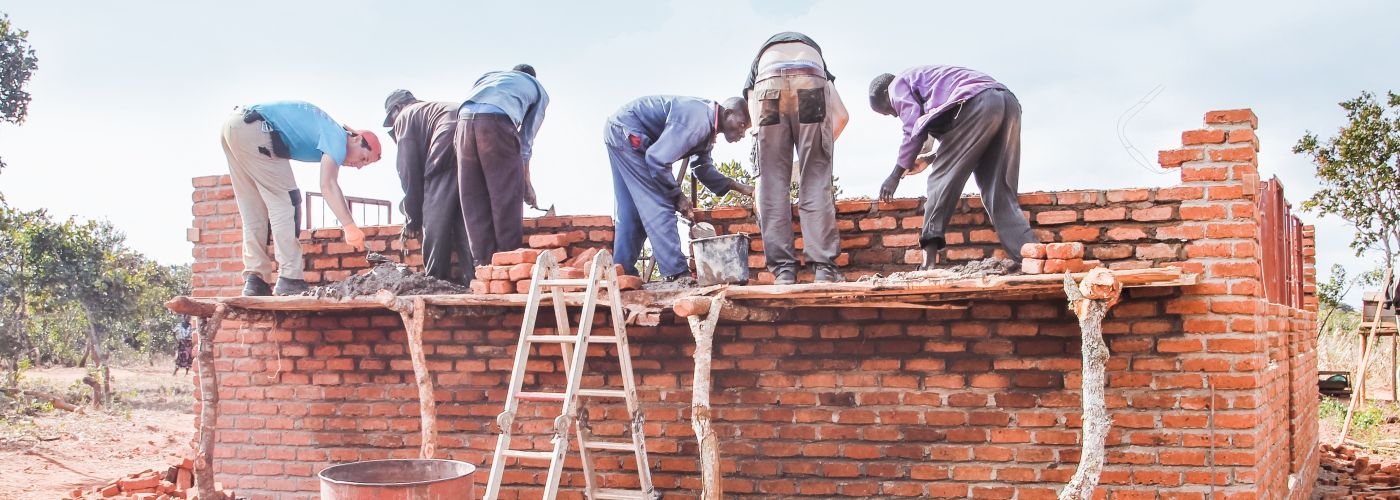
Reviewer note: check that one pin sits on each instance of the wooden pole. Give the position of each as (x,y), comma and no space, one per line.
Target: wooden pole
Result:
(1090,301)
(209,403)
(1358,393)
(704,331)
(413,313)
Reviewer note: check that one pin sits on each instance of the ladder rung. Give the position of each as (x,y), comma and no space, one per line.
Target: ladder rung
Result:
(559,396)
(616,494)
(611,445)
(570,339)
(538,455)
(565,282)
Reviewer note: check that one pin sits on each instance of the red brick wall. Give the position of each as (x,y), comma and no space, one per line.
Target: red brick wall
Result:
(1207,383)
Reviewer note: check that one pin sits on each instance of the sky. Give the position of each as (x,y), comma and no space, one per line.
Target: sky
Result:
(129,96)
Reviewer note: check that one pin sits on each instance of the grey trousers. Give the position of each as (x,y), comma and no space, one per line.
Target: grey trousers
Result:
(790,112)
(982,140)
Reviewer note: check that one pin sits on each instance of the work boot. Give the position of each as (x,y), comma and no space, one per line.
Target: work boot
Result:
(827,273)
(785,275)
(254,286)
(289,286)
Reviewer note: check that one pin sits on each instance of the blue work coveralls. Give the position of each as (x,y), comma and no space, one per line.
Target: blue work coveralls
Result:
(644,138)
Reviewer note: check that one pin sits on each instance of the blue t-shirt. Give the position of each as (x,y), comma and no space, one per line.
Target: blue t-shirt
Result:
(308,131)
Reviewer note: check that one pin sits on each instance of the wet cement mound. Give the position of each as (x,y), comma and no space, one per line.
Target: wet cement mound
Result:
(990,266)
(386,275)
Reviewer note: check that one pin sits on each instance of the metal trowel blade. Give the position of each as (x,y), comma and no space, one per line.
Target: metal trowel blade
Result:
(702,230)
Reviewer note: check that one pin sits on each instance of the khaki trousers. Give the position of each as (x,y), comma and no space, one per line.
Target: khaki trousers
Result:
(265,191)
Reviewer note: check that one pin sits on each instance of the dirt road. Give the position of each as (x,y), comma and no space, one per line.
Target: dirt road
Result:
(46,456)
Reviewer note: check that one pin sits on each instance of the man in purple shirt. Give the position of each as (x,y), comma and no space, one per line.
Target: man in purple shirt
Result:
(977,122)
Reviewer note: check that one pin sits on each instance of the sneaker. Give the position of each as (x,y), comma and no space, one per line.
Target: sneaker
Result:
(827,273)
(254,286)
(289,286)
(785,275)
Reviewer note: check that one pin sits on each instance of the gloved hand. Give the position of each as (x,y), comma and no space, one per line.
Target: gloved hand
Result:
(683,206)
(890,184)
(354,236)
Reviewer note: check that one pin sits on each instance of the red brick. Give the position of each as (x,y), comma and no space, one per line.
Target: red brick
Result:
(1197,137)
(1033,250)
(1174,158)
(1232,116)
(1107,213)
(514,257)
(1056,217)
(1073,250)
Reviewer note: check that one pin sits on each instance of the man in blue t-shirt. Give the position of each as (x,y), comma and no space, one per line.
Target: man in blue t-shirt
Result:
(258,141)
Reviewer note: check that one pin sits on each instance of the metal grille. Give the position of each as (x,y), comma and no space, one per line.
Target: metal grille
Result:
(365,211)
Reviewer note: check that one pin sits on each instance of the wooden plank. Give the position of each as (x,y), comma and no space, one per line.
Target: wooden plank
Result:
(643,307)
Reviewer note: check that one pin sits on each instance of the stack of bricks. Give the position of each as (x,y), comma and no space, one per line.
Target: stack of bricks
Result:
(512,271)
(177,481)
(1055,258)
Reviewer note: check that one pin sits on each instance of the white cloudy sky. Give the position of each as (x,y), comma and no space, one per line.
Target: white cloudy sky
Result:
(130,95)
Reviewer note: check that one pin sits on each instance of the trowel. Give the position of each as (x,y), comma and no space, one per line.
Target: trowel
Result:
(547,212)
(700,229)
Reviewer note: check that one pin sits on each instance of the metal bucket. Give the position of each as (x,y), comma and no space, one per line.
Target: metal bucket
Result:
(721,259)
(400,479)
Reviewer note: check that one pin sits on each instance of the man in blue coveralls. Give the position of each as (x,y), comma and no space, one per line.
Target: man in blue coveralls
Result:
(644,138)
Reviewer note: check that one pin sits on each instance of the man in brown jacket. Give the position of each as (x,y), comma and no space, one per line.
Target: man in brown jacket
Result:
(428,172)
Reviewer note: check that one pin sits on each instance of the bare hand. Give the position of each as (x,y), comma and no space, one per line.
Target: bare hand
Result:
(683,206)
(891,183)
(354,237)
(741,188)
(408,233)
(530,195)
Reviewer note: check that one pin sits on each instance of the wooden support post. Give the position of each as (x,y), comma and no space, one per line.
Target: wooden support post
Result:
(1395,369)
(704,331)
(1090,301)
(209,403)
(1358,392)
(413,313)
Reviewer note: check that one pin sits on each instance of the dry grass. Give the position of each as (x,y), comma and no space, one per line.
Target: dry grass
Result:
(1339,349)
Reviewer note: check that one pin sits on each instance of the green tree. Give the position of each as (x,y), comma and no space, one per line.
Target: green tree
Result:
(17,64)
(1358,172)
(67,287)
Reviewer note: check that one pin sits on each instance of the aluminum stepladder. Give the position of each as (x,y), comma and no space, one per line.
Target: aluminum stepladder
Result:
(574,347)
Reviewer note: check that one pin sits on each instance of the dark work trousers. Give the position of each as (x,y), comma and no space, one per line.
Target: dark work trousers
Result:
(790,112)
(982,140)
(444,230)
(491,176)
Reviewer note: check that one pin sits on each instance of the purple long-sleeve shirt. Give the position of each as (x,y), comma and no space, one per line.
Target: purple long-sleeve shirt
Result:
(920,93)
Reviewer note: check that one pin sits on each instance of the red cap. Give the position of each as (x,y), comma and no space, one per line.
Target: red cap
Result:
(374,147)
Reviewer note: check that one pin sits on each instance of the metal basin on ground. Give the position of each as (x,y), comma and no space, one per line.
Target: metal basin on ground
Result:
(400,479)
